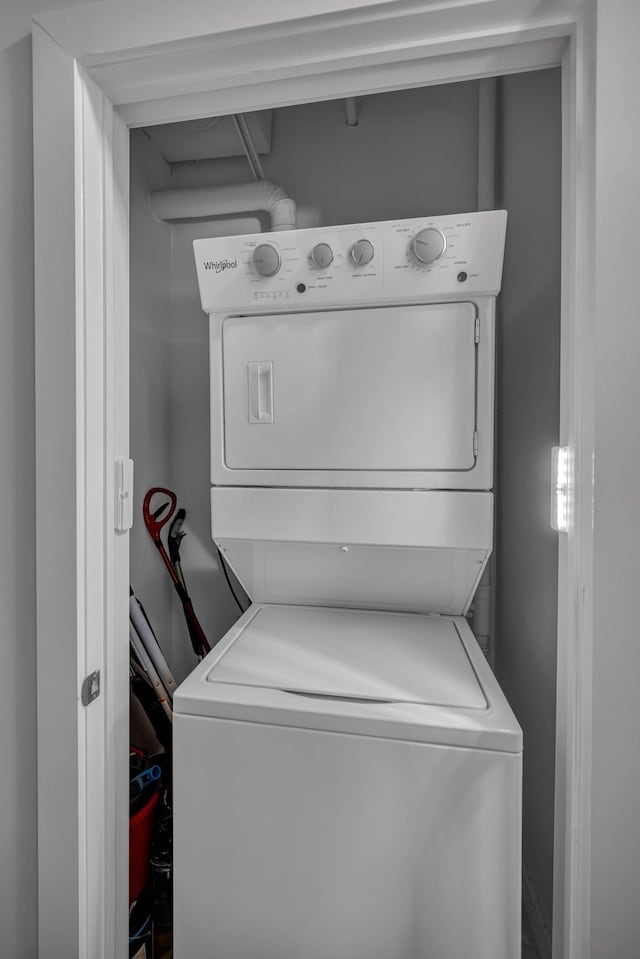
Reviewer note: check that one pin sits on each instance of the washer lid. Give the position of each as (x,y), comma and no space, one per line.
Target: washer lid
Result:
(354,655)
(356,672)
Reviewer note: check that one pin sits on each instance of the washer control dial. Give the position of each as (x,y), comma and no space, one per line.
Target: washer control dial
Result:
(321,256)
(427,246)
(266,259)
(361,252)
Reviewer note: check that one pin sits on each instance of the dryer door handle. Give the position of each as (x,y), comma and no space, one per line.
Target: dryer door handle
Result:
(260,384)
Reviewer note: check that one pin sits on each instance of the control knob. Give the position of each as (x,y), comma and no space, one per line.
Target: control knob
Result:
(361,252)
(267,259)
(322,256)
(427,246)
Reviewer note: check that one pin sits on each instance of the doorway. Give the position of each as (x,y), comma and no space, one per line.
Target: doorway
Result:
(338,174)
(103,428)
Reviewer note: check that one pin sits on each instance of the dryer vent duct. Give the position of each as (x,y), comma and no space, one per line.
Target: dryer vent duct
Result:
(202,202)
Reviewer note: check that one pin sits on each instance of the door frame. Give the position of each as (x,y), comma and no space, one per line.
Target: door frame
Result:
(99,70)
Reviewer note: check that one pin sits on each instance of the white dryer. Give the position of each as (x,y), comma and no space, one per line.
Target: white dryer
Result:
(347,771)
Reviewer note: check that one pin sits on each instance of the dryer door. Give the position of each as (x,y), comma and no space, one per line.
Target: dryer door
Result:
(384,389)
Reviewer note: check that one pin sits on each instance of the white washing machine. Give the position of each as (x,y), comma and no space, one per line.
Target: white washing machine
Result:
(347,771)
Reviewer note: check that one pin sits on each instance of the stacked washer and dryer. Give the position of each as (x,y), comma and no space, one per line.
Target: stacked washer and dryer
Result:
(347,770)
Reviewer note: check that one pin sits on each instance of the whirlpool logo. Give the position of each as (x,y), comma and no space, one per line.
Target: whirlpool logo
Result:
(219,266)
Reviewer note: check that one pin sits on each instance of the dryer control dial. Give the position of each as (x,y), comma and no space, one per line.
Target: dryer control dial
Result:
(321,256)
(361,252)
(427,246)
(266,259)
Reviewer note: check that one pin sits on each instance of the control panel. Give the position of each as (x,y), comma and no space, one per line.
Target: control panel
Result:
(416,260)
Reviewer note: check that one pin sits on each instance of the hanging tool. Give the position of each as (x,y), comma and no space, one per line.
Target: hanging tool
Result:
(174,539)
(140,623)
(152,703)
(154,521)
(144,660)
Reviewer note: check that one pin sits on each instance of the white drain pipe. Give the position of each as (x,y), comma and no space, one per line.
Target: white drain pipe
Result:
(484,600)
(351,112)
(487,128)
(201,202)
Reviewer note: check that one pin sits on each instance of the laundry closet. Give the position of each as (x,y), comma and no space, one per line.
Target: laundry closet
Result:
(427,151)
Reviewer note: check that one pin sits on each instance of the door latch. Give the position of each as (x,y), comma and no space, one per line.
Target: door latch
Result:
(123,495)
(90,688)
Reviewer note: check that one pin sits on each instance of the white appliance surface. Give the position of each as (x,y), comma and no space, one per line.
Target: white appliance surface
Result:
(308,826)
(299,844)
(392,675)
(369,389)
(470,265)
(354,654)
(409,550)
(347,781)
(335,371)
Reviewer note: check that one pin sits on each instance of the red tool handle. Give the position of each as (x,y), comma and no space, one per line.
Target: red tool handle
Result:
(154,521)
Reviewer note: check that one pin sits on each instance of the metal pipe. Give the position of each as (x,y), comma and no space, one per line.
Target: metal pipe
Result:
(243,131)
(487,89)
(484,619)
(351,112)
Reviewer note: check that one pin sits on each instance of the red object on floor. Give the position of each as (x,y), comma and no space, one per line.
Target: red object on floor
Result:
(140,829)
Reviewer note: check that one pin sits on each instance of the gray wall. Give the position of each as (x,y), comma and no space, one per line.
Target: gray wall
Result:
(527,427)
(18,846)
(151,433)
(615,784)
(413,152)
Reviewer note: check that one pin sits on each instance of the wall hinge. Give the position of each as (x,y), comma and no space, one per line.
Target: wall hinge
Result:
(123,506)
(476,334)
(90,688)
(475,442)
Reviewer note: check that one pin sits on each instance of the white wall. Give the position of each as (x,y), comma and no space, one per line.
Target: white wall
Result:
(615,793)
(527,426)
(18,848)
